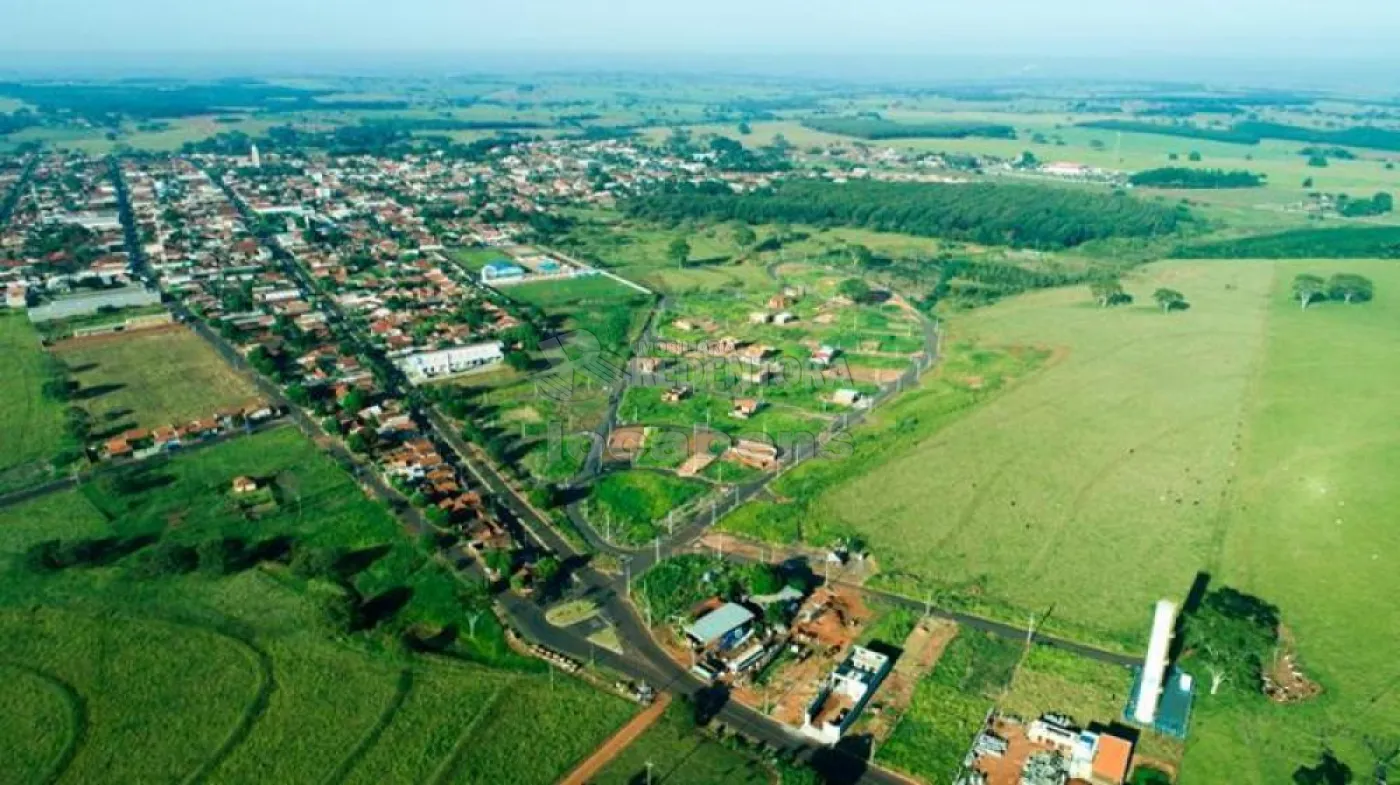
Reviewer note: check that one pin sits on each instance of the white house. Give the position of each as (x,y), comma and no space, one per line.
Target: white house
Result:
(845,694)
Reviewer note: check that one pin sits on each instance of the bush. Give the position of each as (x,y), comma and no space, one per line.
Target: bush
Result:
(166,559)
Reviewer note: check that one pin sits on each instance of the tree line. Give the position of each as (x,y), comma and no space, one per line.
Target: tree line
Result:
(1251,132)
(988,213)
(874,128)
(1186,177)
(1351,242)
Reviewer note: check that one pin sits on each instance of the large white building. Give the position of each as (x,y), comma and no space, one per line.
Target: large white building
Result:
(425,366)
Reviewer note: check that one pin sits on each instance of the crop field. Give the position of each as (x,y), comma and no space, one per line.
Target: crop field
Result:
(677,756)
(32,425)
(101,665)
(149,379)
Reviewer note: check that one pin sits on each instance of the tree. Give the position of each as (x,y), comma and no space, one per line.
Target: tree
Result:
(353,401)
(744,236)
(744,129)
(312,562)
(854,289)
(1169,299)
(517,360)
(340,610)
(1106,291)
(213,556)
(1194,156)
(1307,182)
(678,252)
(499,561)
(1232,634)
(765,579)
(1319,161)
(1350,288)
(357,441)
(547,569)
(861,256)
(1307,288)
(166,558)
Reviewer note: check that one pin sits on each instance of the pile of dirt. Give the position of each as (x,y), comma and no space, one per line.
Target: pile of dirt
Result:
(1284,680)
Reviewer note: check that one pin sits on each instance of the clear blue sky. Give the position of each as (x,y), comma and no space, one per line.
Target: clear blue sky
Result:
(1277,30)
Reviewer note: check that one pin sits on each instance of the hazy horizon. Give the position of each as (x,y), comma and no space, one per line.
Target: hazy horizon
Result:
(1243,41)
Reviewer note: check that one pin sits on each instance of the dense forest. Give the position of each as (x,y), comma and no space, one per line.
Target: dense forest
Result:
(1183,177)
(994,214)
(1255,132)
(1356,136)
(1358,242)
(878,128)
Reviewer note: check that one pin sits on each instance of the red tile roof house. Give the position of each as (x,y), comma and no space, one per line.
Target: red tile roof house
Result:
(118,448)
(166,437)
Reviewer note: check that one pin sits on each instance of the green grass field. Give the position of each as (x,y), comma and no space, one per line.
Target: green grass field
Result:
(680,757)
(594,289)
(152,379)
(1242,437)
(236,678)
(31,426)
(630,502)
(1118,453)
(949,706)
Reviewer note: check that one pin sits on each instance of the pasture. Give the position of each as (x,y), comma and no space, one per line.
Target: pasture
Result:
(101,665)
(152,378)
(1243,437)
(31,425)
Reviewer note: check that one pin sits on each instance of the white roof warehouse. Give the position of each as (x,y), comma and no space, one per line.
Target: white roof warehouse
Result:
(424,366)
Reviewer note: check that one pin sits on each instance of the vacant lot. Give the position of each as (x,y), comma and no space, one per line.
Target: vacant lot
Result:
(150,379)
(629,504)
(102,662)
(31,426)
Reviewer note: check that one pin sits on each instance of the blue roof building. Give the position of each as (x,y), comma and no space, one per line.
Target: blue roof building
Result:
(501,269)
